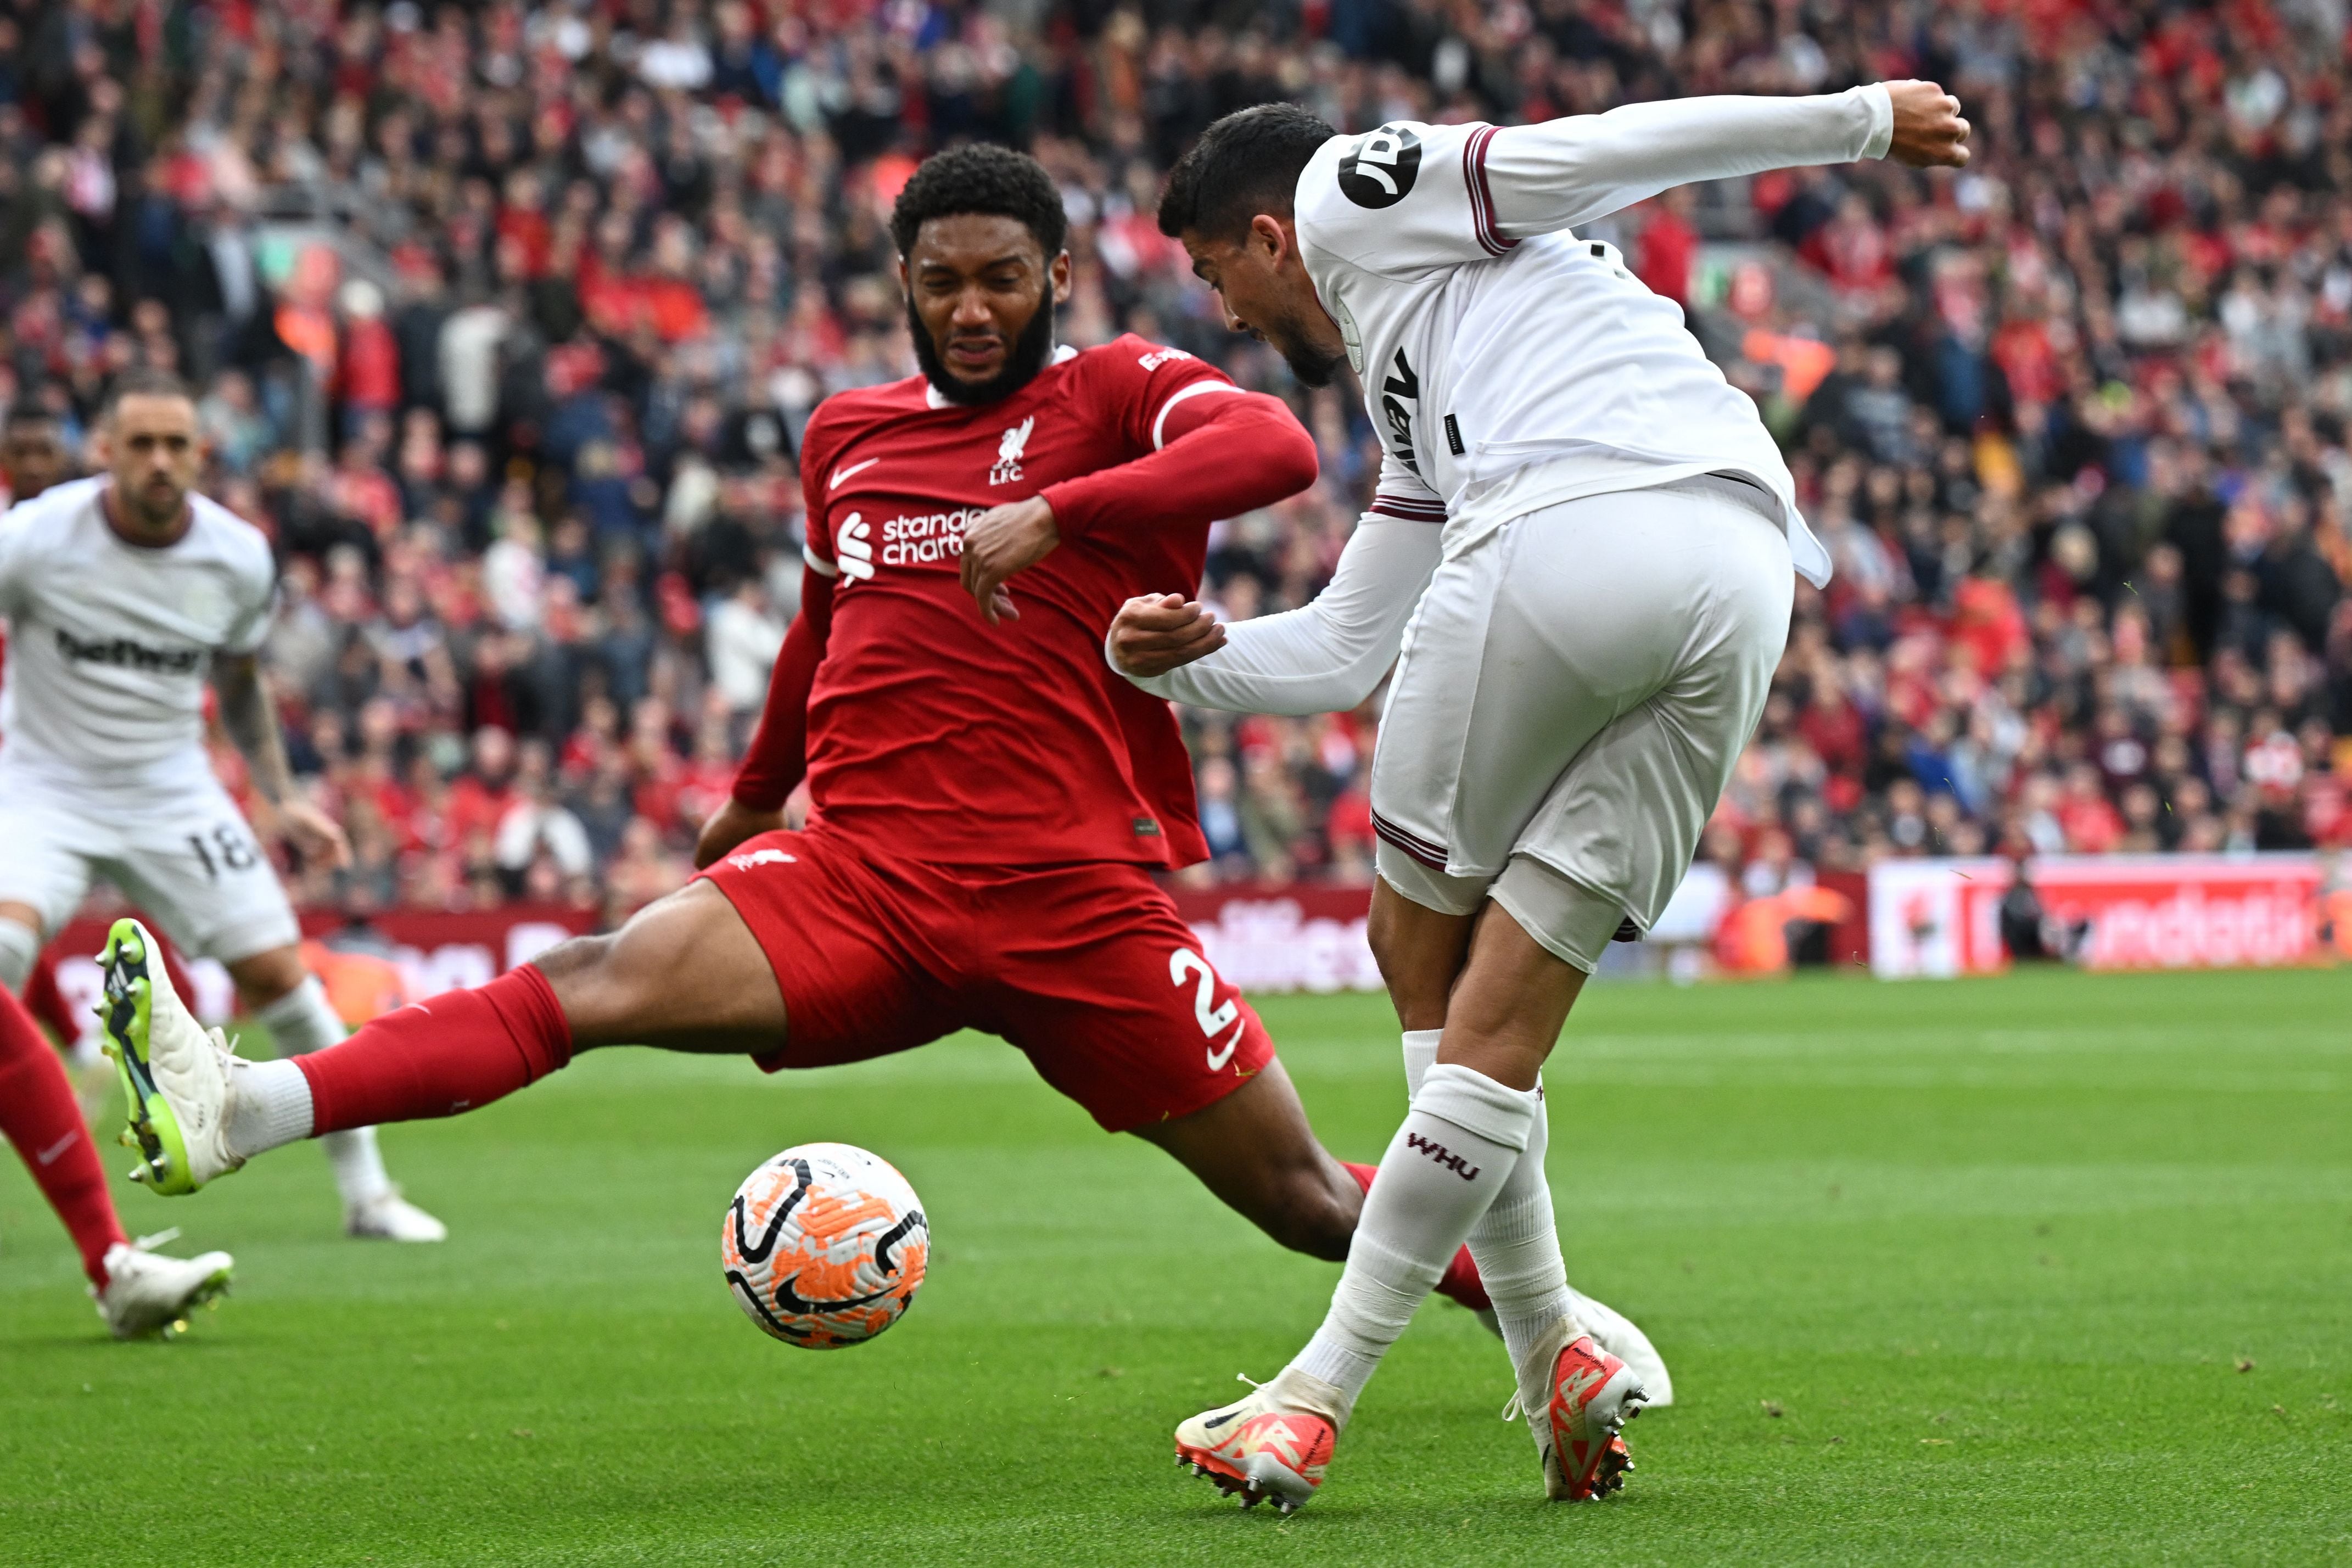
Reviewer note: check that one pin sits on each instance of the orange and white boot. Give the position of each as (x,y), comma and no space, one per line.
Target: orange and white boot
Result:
(1575,1401)
(1274,1443)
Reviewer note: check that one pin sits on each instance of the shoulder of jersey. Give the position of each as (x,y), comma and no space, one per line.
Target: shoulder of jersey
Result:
(59,505)
(1128,350)
(845,414)
(237,538)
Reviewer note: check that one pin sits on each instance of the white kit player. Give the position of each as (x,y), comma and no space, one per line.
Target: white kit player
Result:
(123,594)
(1581,541)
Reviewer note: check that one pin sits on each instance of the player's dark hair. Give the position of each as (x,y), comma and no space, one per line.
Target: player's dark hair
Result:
(979,177)
(143,382)
(1244,164)
(30,411)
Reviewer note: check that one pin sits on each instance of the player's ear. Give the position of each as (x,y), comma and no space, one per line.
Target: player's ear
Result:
(1271,237)
(1059,275)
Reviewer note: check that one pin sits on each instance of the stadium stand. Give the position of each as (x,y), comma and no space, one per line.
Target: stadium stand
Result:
(506,319)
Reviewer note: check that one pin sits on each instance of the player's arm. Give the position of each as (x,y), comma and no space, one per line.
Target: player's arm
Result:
(1323,657)
(249,715)
(777,759)
(1564,172)
(1218,451)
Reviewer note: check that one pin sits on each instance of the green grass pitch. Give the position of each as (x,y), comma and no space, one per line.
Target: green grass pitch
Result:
(1969,1271)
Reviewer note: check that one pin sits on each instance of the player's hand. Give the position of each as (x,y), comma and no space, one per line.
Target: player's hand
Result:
(1005,540)
(1929,131)
(314,832)
(731,823)
(1155,634)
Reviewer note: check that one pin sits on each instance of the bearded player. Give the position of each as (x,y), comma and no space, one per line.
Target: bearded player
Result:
(1592,535)
(990,803)
(125,594)
(140,1292)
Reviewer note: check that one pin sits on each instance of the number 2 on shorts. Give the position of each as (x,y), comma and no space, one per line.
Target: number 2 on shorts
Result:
(1185,963)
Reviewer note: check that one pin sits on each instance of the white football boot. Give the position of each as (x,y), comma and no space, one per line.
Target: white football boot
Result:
(1576,1397)
(1276,1443)
(149,1295)
(388,1216)
(176,1074)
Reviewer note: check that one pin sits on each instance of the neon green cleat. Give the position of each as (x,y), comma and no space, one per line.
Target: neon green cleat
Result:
(175,1072)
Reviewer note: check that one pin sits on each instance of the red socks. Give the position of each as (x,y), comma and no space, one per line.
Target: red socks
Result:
(441,1055)
(39,1114)
(1460,1282)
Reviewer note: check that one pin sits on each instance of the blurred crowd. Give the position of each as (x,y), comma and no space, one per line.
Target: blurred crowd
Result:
(506,320)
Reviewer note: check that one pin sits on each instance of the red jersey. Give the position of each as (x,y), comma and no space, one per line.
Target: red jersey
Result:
(941,739)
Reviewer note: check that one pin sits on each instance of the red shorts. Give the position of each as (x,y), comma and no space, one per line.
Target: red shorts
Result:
(1086,968)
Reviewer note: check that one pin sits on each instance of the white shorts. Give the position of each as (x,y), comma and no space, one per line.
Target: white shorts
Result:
(188,860)
(1574,692)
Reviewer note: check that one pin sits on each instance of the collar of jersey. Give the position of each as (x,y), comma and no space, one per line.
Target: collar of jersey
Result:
(931,398)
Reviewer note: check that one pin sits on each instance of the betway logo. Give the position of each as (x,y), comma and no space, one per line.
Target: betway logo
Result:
(1442,1155)
(128,654)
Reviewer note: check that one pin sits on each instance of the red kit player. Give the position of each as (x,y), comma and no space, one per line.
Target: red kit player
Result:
(990,799)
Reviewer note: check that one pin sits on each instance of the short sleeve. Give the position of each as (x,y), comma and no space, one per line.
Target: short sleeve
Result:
(1404,198)
(817,444)
(1138,384)
(16,539)
(256,606)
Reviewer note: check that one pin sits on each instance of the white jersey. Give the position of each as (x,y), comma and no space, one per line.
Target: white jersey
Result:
(1509,366)
(110,643)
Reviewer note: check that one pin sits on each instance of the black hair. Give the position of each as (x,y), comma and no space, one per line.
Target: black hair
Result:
(979,177)
(1244,164)
(30,411)
(142,382)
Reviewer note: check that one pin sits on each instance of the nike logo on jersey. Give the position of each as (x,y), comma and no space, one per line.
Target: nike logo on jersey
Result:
(841,474)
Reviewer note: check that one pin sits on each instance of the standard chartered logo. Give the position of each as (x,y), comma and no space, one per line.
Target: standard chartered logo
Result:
(924,539)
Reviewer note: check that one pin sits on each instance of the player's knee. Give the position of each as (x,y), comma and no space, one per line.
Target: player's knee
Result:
(267,977)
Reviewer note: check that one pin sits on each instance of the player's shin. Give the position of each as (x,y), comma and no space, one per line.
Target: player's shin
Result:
(39,1115)
(444,1054)
(1516,1244)
(1442,1170)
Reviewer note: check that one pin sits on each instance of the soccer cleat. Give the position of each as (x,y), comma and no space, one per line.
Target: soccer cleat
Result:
(390,1217)
(1620,1337)
(1273,1444)
(175,1073)
(1581,1396)
(148,1295)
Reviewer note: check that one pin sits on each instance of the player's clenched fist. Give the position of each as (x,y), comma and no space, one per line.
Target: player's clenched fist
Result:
(1929,131)
(1154,634)
(1005,540)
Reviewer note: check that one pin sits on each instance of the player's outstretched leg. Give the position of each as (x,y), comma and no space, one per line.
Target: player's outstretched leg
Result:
(685,973)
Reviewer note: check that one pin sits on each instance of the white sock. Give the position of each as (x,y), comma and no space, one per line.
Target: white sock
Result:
(302,1022)
(1420,1056)
(1446,1164)
(270,1105)
(20,946)
(1516,1244)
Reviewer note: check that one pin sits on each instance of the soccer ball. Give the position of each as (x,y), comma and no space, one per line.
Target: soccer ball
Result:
(825,1245)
